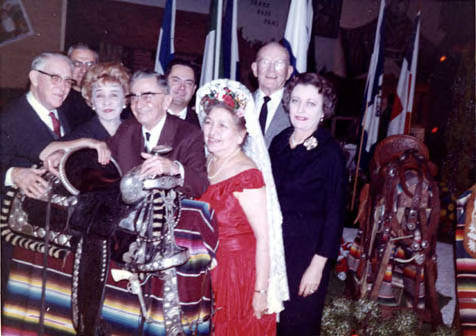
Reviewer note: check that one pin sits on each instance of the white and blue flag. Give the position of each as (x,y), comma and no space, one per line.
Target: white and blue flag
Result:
(165,44)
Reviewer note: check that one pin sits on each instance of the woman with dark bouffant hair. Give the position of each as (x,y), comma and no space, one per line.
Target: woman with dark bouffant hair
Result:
(105,88)
(309,171)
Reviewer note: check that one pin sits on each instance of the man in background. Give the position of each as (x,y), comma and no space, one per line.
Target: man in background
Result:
(272,68)
(75,106)
(181,77)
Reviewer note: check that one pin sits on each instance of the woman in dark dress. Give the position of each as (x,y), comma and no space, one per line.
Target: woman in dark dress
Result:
(104,88)
(309,171)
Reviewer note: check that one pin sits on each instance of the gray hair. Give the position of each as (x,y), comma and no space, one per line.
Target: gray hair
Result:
(161,79)
(276,45)
(82,46)
(39,61)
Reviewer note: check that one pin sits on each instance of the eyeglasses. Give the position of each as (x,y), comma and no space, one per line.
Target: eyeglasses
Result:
(145,96)
(57,79)
(79,64)
(278,65)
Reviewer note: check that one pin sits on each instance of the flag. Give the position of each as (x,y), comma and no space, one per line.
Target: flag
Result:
(211,53)
(373,88)
(402,108)
(165,45)
(298,33)
(229,43)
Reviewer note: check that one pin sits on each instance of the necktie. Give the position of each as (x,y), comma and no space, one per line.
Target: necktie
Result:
(264,113)
(147,137)
(56,124)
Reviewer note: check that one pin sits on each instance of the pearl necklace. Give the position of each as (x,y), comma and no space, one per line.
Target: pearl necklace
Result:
(225,161)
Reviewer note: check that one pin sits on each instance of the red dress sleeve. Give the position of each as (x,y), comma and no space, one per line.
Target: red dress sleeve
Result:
(248,179)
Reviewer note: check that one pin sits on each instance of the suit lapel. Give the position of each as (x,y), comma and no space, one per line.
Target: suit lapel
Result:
(37,123)
(168,131)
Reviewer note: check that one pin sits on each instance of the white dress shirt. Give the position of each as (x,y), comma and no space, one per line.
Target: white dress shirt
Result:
(155,133)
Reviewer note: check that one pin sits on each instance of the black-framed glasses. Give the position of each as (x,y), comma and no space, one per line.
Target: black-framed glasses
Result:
(57,79)
(144,96)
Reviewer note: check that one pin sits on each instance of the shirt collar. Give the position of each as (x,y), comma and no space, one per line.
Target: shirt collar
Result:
(275,96)
(37,106)
(181,114)
(154,133)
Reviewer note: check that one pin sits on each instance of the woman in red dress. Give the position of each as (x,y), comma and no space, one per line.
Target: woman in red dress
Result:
(238,195)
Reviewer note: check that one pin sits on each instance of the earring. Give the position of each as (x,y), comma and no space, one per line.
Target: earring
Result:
(321,120)
(93,108)
(124,106)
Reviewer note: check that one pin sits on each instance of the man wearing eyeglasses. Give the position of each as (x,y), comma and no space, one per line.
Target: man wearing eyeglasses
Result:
(272,68)
(134,141)
(75,106)
(31,122)
(181,77)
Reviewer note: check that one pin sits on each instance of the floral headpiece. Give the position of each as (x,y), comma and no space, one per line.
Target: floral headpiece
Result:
(224,95)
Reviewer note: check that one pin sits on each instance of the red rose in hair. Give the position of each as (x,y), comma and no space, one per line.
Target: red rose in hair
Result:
(228,100)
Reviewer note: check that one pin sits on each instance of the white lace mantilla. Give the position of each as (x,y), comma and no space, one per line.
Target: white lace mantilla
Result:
(255,148)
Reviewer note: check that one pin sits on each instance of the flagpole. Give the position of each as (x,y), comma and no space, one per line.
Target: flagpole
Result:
(359,154)
(216,70)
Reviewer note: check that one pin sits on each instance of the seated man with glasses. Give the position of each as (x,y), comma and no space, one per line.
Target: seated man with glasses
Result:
(182,79)
(75,106)
(272,68)
(133,142)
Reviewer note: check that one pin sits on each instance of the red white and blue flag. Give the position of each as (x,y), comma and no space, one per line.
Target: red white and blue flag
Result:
(165,44)
(400,118)
(373,88)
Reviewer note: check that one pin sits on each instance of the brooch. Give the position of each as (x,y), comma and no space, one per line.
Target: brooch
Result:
(311,143)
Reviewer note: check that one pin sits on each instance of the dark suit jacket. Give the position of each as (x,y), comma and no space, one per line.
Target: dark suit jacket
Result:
(23,135)
(76,109)
(192,117)
(185,139)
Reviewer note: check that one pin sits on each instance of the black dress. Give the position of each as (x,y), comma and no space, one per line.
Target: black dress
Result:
(311,192)
(89,129)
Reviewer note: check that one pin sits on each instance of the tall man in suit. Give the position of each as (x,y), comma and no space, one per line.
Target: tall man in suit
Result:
(181,77)
(32,121)
(75,106)
(152,126)
(29,124)
(272,68)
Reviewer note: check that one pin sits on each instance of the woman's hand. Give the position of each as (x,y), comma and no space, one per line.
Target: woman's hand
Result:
(104,154)
(312,276)
(259,304)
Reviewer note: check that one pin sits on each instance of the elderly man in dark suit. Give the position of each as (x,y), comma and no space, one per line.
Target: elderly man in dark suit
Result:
(152,126)
(181,77)
(30,123)
(272,69)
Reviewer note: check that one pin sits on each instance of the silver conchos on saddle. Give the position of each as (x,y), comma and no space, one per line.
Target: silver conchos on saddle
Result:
(153,219)
(23,219)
